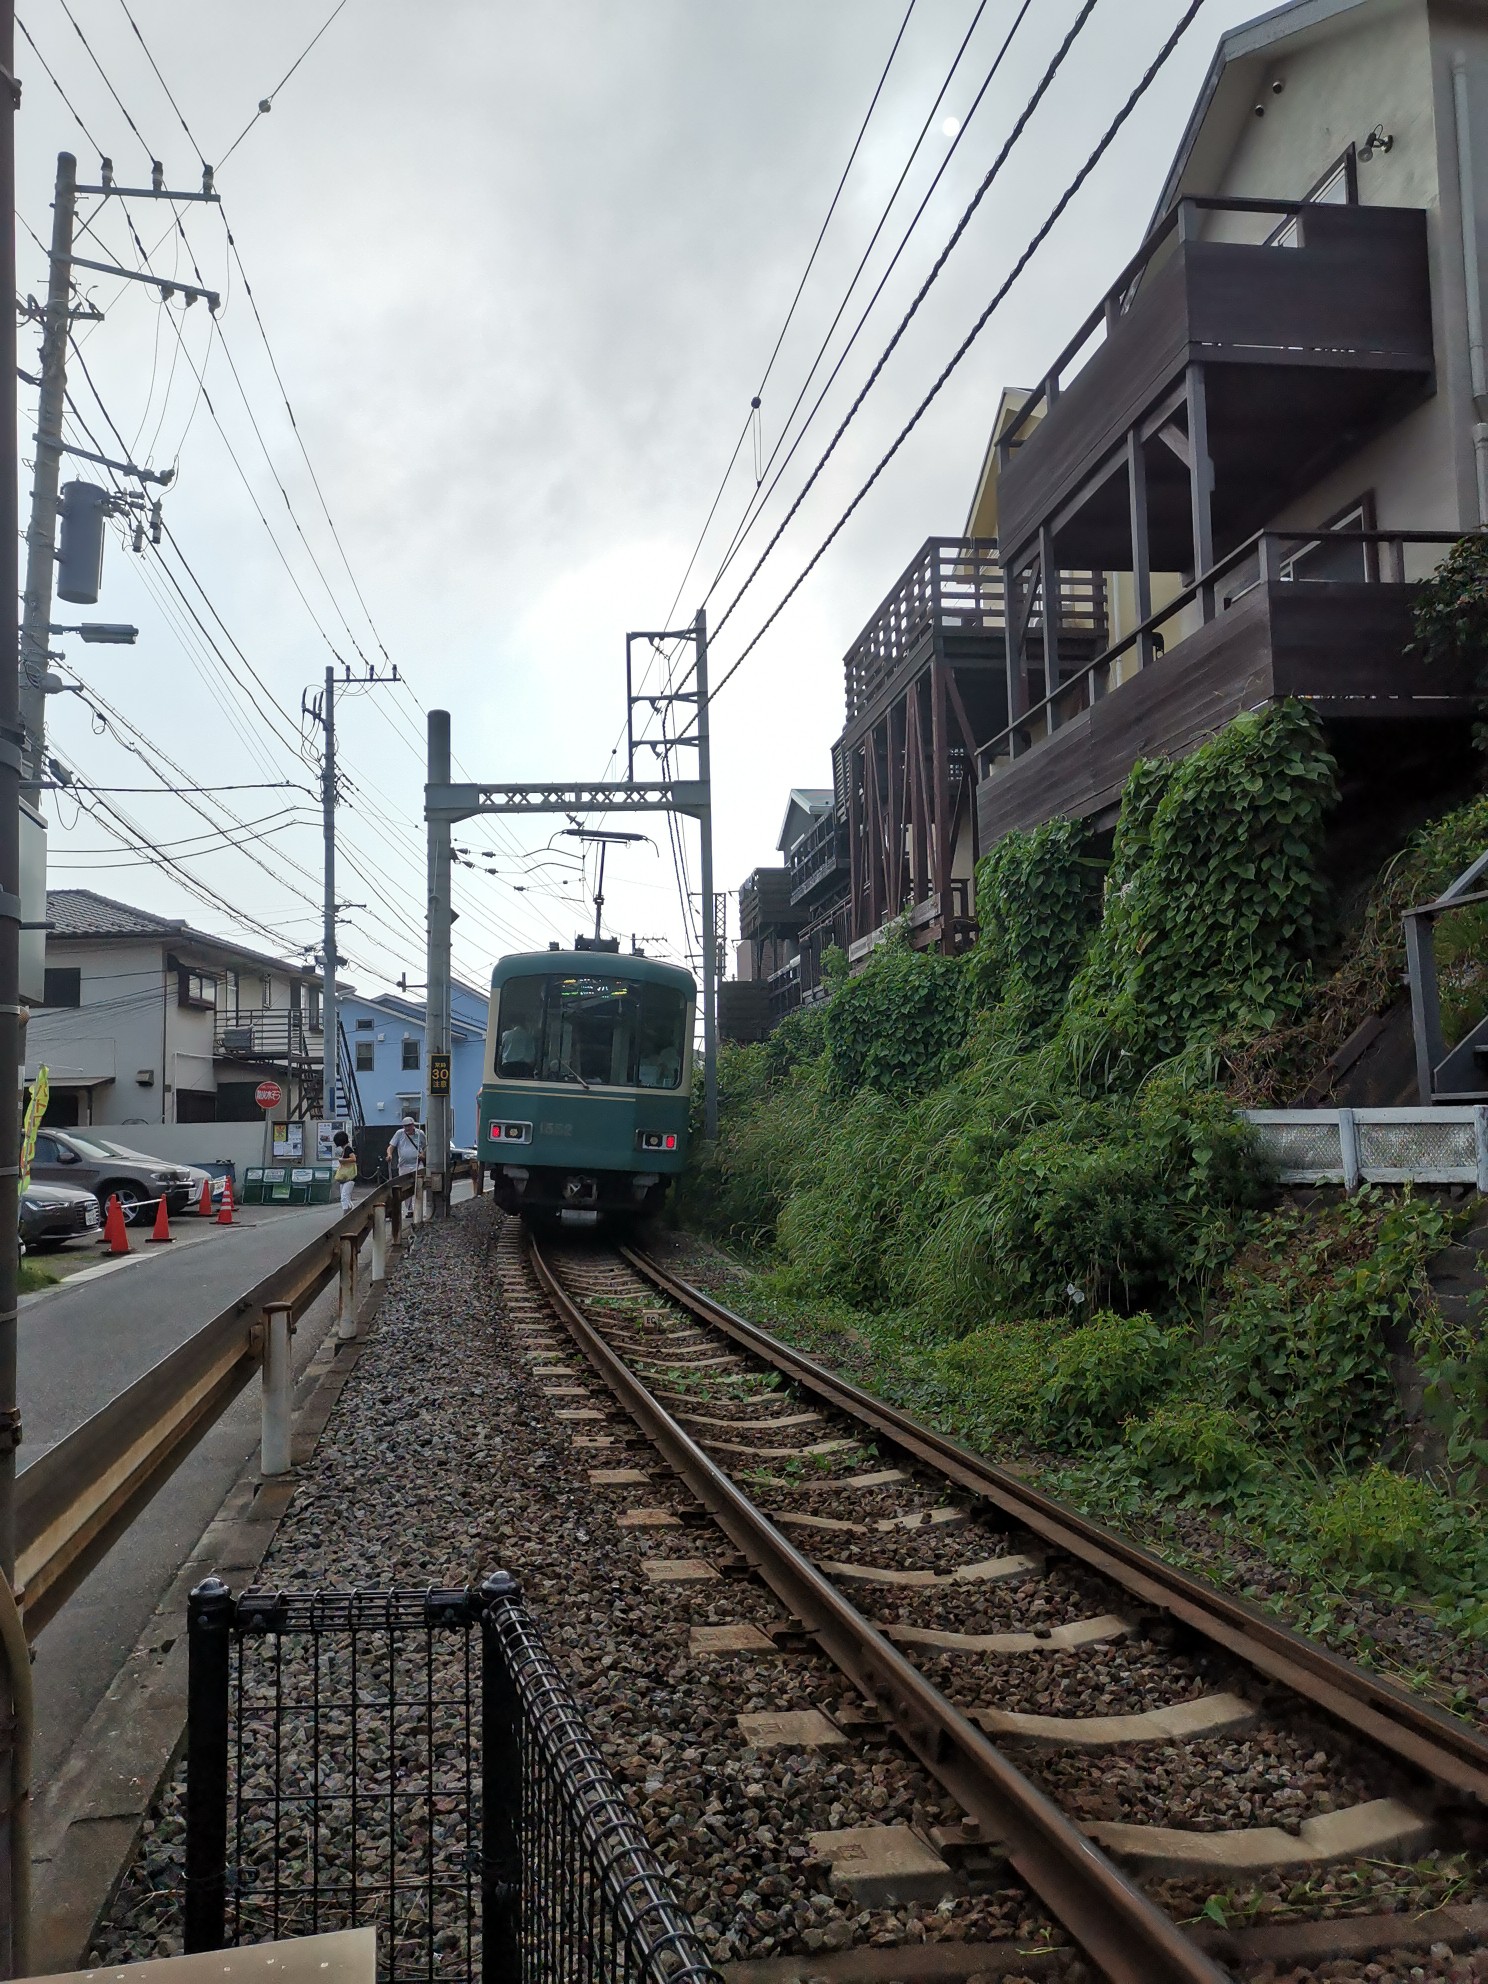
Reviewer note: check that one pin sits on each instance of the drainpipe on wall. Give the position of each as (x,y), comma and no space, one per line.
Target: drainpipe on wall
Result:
(1467,206)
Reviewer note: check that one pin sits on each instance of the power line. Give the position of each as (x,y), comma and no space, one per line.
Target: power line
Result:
(762,495)
(1045,82)
(264,102)
(795,300)
(1039,237)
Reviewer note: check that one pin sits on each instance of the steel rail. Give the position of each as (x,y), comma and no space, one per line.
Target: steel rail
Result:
(75,1500)
(1132,1941)
(1416,1734)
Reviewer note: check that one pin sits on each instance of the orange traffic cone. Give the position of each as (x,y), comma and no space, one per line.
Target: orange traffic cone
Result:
(205,1208)
(162,1224)
(115,1235)
(225,1217)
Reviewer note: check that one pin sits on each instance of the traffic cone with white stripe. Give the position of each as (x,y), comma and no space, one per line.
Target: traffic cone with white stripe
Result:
(225,1217)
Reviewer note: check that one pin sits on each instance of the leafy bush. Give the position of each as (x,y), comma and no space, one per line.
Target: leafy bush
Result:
(1451,608)
(1195,1447)
(1271,1069)
(1309,1309)
(895,1025)
(1377,1521)
(1213,907)
(801,1037)
(1038,902)
(1102,1375)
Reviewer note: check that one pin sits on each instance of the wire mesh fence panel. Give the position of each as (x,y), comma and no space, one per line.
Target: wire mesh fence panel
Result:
(412,1762)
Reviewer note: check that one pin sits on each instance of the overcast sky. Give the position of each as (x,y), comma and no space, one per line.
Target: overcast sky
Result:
(521,268)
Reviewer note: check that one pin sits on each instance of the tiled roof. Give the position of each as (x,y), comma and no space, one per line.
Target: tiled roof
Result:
(82,913)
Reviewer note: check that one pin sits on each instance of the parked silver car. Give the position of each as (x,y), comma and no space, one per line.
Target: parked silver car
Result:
(68,1157)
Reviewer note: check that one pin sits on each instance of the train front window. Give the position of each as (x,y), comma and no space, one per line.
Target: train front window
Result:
(598,1032)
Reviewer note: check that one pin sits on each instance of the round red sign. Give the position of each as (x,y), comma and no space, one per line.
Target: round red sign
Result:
(268,1095)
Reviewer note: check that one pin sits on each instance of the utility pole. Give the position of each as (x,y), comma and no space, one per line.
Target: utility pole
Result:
(710,907)
(437,1021)
(14,1688)
(321,710)
(41,535)
(328,1016)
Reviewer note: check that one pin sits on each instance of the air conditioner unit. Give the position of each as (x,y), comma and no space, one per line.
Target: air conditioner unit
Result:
(237,1040)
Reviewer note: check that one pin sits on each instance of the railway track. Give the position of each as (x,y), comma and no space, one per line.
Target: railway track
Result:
(1083,1710)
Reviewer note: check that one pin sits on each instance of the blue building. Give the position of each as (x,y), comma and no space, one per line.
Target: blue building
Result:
(386,1038)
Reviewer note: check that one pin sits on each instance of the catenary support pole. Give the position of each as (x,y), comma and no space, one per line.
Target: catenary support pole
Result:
(437,1028)
(710,907)
(15,1678)
(274,1428)
(328,1018)
(41,534)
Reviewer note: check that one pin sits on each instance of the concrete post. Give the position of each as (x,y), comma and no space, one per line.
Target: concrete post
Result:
(274,1435)
(379,1243)
(346,1322)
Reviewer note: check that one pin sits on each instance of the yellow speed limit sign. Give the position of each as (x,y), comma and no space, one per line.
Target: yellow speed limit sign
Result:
(439,1074)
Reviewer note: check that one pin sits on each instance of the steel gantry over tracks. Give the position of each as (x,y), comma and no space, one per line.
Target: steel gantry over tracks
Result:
(445,803)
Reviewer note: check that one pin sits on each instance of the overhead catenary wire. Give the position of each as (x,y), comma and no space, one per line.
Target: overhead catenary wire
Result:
(761,496)
(989,179)
(398,833)
(1040,235)
(789,318)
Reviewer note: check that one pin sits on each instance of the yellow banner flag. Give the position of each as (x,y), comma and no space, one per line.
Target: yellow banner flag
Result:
(41,1089)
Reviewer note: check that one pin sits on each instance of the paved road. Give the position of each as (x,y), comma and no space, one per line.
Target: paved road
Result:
(83,1342)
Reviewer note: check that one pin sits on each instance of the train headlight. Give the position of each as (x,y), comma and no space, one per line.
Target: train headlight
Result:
(511,1133)
(656,1139)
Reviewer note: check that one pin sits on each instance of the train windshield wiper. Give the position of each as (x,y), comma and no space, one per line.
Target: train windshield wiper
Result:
(569,1070)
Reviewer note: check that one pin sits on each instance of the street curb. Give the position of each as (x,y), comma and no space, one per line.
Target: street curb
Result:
(88,1823)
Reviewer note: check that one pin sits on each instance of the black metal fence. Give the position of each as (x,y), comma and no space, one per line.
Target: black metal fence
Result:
(413,1761)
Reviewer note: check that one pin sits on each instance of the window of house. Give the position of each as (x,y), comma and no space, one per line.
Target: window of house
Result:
(410,1055)
(312,1017)
(64,986)
(366,1056)
(1338,187)
(197,987)
(365,1026)
(410,1105)
(1349,560)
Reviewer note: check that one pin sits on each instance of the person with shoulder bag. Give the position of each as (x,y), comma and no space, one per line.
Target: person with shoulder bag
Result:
(345,1173)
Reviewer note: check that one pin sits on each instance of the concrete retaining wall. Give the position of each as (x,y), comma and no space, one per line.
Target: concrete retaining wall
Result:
(191,1143)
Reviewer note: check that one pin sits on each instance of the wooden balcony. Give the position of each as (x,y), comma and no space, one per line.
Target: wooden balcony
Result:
(765,904)
(1309,335)
(1254,629)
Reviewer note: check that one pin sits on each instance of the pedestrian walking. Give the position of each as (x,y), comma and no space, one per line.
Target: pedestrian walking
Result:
(345,1173)
(406,1151)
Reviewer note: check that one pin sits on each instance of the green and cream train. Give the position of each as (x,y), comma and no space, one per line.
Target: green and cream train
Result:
(588,1076)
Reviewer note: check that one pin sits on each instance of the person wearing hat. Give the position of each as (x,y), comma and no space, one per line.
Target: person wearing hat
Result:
(406,1151)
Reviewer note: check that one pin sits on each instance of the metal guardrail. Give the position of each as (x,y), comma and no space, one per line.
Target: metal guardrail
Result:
(1349,1147)
(413,1760)
(77,1498)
